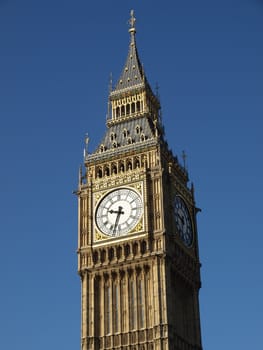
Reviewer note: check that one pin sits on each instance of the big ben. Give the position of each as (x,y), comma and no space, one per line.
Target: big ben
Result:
(138,254)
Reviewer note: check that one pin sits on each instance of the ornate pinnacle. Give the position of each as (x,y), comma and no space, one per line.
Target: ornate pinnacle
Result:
(132,23)
(184,159)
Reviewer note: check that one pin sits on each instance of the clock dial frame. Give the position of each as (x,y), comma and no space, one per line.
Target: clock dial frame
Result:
(119,212)
(183,221)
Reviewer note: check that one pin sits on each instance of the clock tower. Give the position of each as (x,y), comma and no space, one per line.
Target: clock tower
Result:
(137,236)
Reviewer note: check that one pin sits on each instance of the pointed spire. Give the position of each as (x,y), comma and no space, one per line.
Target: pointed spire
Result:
(132,82)
(132,74)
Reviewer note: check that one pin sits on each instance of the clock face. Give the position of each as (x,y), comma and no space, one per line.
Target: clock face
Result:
(119,212)
(183,221)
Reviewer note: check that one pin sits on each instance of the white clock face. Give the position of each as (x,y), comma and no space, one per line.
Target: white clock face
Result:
(119,212)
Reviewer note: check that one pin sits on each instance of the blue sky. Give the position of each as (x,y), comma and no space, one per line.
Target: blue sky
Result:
(55,62)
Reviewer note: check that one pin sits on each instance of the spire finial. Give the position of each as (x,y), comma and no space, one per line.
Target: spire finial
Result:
(132,23)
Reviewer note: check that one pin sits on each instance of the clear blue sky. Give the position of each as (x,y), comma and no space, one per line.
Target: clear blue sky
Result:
(55,61)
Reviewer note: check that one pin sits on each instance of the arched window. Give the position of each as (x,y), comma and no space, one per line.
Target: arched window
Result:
(122,110)
(135,248)
(111,254)
(128,109)
(127,250)
(137,129)
(112,136)
(143,247)
(103,256)
(117,112)
(99,173)
(129,165)
(119,252)
(138,106)
(107,171)
(121,166)
(95,257)
(133,107)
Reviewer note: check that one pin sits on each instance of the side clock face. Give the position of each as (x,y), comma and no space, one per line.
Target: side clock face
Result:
(183,221)
(119,212)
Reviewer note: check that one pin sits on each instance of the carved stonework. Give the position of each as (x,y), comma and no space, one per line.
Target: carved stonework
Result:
(137,242)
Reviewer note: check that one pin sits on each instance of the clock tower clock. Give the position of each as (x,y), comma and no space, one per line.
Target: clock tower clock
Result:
(137,235)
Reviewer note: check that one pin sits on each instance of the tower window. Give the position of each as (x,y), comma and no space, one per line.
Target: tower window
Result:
(135,248)
(119,252)
(99,173)
(133,107)
(95,257)
(121,167)
(111,254)
(143,247)
(107,171)
(122,110)
(129,165)
(103,256)
(127,109)
(138,129)
(129,140)
(127,250)
(138,106)
(117,112)
(112,136)
(125,133)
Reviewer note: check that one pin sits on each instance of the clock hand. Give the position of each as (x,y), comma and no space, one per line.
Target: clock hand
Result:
(182,219)
(118,212)
(115,211)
